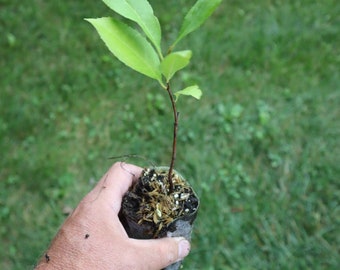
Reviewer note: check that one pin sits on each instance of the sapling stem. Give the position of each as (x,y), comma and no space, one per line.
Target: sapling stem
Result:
(174,141)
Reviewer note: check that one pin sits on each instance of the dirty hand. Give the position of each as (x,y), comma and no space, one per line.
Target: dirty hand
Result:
(92,237)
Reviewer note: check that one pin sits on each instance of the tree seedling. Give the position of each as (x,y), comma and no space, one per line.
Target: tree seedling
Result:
(162,202)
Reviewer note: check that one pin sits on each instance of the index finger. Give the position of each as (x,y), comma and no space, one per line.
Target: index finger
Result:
(115,183)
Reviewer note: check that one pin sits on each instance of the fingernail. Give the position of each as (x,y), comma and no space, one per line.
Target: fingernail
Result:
(183,248)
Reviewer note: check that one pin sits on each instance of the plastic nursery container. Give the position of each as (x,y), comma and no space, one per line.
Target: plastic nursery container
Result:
(152,208)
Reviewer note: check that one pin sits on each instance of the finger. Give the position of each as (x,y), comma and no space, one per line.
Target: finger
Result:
(115,183)
(119,178)
(159,253)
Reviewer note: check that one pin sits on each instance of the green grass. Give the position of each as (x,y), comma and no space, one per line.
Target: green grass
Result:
(261,148)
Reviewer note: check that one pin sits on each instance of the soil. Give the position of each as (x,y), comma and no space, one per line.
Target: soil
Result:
(151,210)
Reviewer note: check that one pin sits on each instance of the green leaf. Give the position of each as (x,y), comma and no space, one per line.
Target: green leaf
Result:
(129,46)
(174,62)
(196,16)
(193,91)
(141,12)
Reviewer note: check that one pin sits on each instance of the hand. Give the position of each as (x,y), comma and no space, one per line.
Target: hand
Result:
(92,237)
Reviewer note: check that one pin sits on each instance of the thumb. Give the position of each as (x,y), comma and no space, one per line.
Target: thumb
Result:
(156,254)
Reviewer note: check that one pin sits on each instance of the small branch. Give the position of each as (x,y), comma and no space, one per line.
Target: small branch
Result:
(169,50)
(174,141)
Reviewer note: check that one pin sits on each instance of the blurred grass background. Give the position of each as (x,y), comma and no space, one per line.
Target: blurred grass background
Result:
(261,148)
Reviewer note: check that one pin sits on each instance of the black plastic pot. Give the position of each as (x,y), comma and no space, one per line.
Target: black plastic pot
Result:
(150,209)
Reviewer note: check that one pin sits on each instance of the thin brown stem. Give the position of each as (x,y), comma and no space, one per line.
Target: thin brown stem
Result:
(174,141)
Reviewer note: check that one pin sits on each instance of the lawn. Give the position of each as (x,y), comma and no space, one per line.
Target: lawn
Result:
(261,148)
